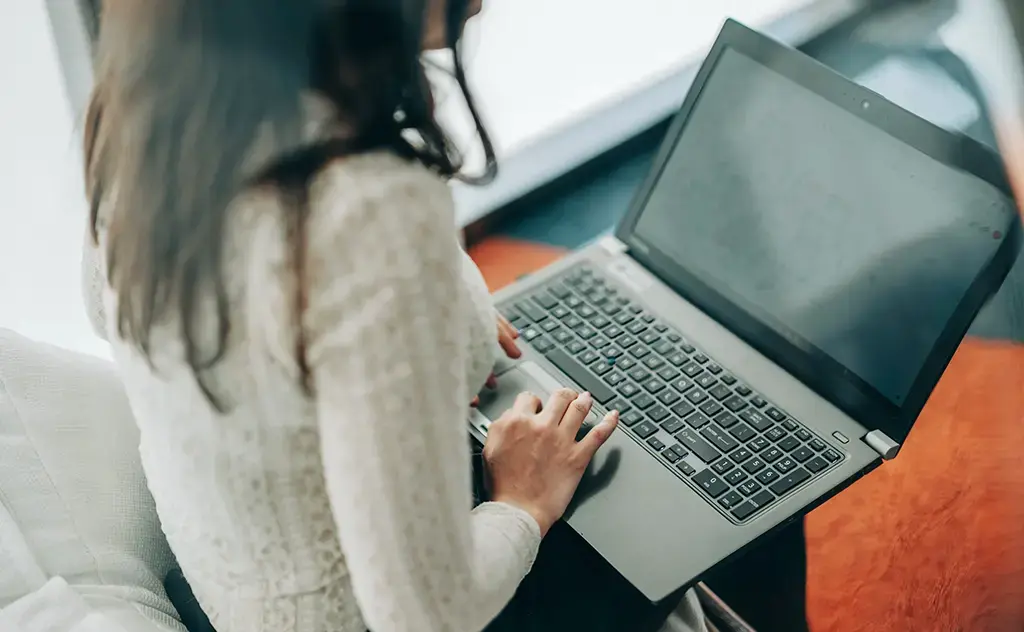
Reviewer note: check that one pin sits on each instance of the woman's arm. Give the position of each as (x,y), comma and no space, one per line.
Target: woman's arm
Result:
(386,318)
(92,286)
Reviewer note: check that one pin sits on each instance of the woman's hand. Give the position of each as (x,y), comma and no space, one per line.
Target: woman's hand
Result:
(533,458)
(507,336)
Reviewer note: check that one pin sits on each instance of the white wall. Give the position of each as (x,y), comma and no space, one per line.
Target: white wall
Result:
(42,209)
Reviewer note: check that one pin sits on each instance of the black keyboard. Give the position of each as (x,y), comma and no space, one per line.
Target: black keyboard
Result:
(736,448)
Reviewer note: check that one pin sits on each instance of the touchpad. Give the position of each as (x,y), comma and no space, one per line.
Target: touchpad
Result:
(527,377)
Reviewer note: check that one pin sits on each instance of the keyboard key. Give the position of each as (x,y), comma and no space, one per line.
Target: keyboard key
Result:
(743,390)
(636,327)
(744,510)
(775,433)
(735,477)
(831,455)
(670,456)
(656,443)
(775,414)
(664,348)
(620,405)
(574,346)
(697,421)
(639,374)
(599,322)
(643,401)
(547,301)
(817,445)
(654,362)
(767,476)
(718,438)
(649,337)
(668,397)
(647,318)
(657,413)
(742,432)
(573,322)
(629,390)
(757,444)
(714,369)
(673,336)
(802,434)
(706,380)
(601,367)
(696,444)
(788,444)
(726,420)
(740,455)
(723,466)
(692,369)
(586,332)
(531,311)
(680,450)
(631,418)
(711,483)
(728,379)
(672,425)
(668,374)
(749,488)
(801,454)
(762,498)
(654,386)
(561,312)
(531,333)
(789,425)
(785,465)
(816,464)
(639,352)
(758,402)
(613,332)
(559,291)
(710,408)
(626,342)
(644,429)
(685,468)
(614,353)
(700,358)
(722,392)
(683,409)
(586,311)
(677,359)
(614,379)
(543,344)
(601,392)
(623,319)
(549,325)
(789,481)
(686,347)
(682,384)
(771,455)
(588,356)
(730,500)
(599,342)
(611,309)
(625,363)
(754,465)
(756,419)
(735,403)
(696,396)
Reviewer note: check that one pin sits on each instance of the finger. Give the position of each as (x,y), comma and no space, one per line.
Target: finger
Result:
(527,403)
(492,382)
(598,435)
(558,403)
(576,412)
(507,326)
(508,345)
(475,402)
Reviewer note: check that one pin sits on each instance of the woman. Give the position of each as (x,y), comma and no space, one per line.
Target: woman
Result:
(297,327)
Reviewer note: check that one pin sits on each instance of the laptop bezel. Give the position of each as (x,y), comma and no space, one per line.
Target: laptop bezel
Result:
(813,367)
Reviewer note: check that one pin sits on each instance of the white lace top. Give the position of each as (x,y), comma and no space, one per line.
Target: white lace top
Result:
(352,509)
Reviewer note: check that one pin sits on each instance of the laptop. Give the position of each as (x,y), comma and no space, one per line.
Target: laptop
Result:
(770,316)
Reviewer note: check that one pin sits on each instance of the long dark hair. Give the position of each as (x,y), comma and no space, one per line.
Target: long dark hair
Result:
(183,89)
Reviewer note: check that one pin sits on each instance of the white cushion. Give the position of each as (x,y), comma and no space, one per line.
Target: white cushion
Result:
(75,514)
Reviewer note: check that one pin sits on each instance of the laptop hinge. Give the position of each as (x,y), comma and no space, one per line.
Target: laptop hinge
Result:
(612,245)
(883,445)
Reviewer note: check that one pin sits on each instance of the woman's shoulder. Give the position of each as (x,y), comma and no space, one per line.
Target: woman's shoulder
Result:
(377,186)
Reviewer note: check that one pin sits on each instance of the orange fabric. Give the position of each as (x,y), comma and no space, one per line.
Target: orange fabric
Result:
(934,540)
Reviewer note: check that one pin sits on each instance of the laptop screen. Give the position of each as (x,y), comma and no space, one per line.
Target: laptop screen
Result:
(820,225)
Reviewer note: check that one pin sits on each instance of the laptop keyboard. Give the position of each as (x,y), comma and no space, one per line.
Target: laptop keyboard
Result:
(737,449)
